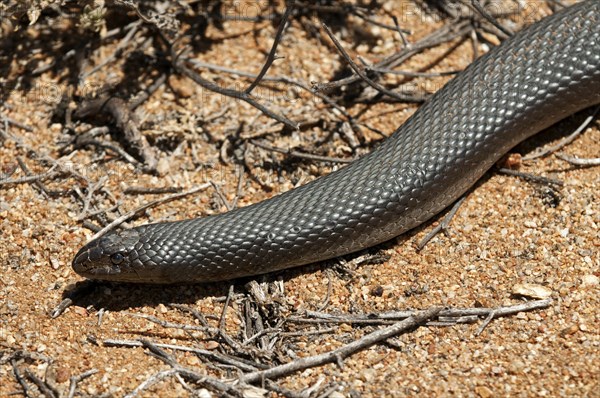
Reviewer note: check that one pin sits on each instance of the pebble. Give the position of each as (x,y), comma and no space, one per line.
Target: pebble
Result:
(368,375)
(203,393)
(491,38)
(62,375)
(163,166)
(211,345)
(530,224)
(9,338)
(484,392)
(531,290)
(590,280)
(163,308)
(55,264)
(569,330)
(254,392)
(182,87)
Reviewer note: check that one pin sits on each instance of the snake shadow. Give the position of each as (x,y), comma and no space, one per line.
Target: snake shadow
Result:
(118,296)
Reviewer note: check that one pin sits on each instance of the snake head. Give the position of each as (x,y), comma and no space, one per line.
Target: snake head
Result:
(110,257)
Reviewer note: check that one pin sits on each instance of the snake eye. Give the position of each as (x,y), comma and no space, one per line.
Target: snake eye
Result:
(117,258)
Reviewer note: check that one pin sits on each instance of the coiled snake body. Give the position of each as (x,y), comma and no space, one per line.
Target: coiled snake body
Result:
(529,82)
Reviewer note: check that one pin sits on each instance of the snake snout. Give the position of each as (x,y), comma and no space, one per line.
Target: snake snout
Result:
(105,256)
(88,258)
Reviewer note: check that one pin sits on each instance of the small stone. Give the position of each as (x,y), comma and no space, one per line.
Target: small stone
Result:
(254,392)
(203,393)
(531,290)
(56,127)
(590,280)
(211,345)
(431,349)
(377,291)
(54,263)
(163,308)
(193,361)
(484,392)
(569,330)
(182,86)
(10,339)
(491,38)
(163,166)
(512,161)
(63,375)
(368,375)
(80,311)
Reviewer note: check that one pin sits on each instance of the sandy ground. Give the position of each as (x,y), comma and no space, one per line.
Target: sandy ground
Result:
(508,232)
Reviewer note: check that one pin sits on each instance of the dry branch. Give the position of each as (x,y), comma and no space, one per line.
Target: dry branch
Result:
(336,356)
(132,213)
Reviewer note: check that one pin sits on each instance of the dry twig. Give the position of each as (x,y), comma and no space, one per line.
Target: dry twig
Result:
(127,216)
(565,141)
(589,162)
(359,71)
(337,355)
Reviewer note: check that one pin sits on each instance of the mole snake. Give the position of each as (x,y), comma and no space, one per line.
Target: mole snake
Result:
(537,77)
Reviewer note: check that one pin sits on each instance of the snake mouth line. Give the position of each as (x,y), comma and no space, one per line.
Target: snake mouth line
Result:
(89,261)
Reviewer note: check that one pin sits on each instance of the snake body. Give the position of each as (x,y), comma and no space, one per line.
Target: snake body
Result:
(537,77)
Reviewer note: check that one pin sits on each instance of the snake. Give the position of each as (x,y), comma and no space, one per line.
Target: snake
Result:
(535,78)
